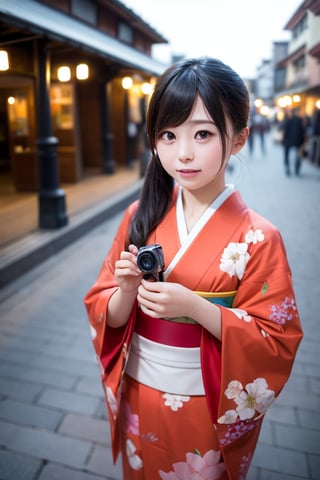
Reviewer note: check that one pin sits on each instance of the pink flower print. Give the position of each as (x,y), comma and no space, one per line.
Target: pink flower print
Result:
(236,431)
(131,422)
(244,466)
(285,311)
(196,467)
(149,437)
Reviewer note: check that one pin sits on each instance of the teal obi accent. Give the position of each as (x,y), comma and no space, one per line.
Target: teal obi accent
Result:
(224,299)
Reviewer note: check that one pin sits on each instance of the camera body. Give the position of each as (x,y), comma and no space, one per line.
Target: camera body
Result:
(150,261)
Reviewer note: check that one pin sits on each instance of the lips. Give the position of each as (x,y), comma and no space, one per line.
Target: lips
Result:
(187,173)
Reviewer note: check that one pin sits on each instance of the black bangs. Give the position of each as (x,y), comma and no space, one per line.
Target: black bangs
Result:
(173,102)
(178,100)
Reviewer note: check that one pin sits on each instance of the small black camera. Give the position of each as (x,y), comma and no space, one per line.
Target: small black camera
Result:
(150,261)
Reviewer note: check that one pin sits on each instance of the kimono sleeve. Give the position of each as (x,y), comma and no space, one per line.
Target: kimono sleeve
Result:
(108,341)
(261,332)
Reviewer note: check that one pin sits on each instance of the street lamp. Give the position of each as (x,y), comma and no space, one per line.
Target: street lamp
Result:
(82,71)
(4,60)
(64,74)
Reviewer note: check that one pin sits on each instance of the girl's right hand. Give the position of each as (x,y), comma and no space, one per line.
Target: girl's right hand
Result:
(127,273)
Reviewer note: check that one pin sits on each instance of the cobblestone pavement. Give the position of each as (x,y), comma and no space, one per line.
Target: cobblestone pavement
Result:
(53,424)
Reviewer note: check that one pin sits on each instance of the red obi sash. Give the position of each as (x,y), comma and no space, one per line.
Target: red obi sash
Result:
(182,332)
(168,332)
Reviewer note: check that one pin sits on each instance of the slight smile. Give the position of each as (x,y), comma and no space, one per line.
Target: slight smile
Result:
(186,173)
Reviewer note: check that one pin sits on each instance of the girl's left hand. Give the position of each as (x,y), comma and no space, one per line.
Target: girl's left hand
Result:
(164,299)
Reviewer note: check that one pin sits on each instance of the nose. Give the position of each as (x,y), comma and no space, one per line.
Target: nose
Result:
(185,153)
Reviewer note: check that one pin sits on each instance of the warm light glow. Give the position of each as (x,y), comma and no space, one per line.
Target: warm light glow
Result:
(4,60)
(82,71)
(258,103)
(296,98)
(264,110)
(318,104)
(127,83)
(285,101)
(64,74)
(11,100)
(146,88)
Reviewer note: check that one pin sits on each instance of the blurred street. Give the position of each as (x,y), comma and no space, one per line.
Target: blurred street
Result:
(53,423)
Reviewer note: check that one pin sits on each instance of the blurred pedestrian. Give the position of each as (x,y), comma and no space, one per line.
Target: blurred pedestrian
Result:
(193,314)
(258,125)
(293,140)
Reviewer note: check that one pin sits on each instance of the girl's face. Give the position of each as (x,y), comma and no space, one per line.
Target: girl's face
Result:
(191,153)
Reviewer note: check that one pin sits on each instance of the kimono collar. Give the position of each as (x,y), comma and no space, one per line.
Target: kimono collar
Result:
(181,223)
(186,238)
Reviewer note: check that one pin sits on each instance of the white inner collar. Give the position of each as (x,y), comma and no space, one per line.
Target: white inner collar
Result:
(181,221)
(186,238)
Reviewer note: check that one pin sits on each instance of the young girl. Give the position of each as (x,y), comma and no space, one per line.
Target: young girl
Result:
(191,364)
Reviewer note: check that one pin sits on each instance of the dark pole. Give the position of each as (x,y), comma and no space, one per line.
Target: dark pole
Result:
(52,207)
(108,164)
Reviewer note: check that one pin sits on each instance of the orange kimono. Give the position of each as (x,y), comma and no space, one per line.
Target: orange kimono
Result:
(237,259)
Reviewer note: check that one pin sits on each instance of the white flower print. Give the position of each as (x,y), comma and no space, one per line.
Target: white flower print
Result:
(175,401)
(264,333)
(134,460)
(241,314)
(234,259)
(93,332)
(230,416)
(255,397)
(234,389)
(254,236)
(111,399)
(101,367)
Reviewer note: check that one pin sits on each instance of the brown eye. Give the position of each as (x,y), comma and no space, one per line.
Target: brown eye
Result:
(203,134)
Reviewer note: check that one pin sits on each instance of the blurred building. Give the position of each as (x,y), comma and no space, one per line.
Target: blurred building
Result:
(297,73)
(300,65)
(74,76)
(291,78)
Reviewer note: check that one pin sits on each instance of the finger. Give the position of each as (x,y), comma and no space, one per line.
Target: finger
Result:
(152,286)
(133,249)
(149,311)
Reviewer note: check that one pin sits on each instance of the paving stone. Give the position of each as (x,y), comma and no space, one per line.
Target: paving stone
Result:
(38,376)
(314,462)
(266,432)
(299,439)
(90,386)
(279,413)
(296,399)
(69,401)
(14,389)
(30,415)
(308,419)
(100,462)
(18,467)
(57,472)
(45,445)
(87,428)
(280,460)
(269,475)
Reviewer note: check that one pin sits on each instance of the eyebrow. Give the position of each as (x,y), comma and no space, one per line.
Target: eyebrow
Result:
(201,120)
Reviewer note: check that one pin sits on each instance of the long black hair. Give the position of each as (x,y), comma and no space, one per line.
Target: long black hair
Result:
(225,97)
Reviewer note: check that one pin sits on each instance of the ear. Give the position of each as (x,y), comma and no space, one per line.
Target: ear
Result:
(239,140)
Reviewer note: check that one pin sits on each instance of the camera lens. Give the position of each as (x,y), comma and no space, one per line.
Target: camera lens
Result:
(147,262)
